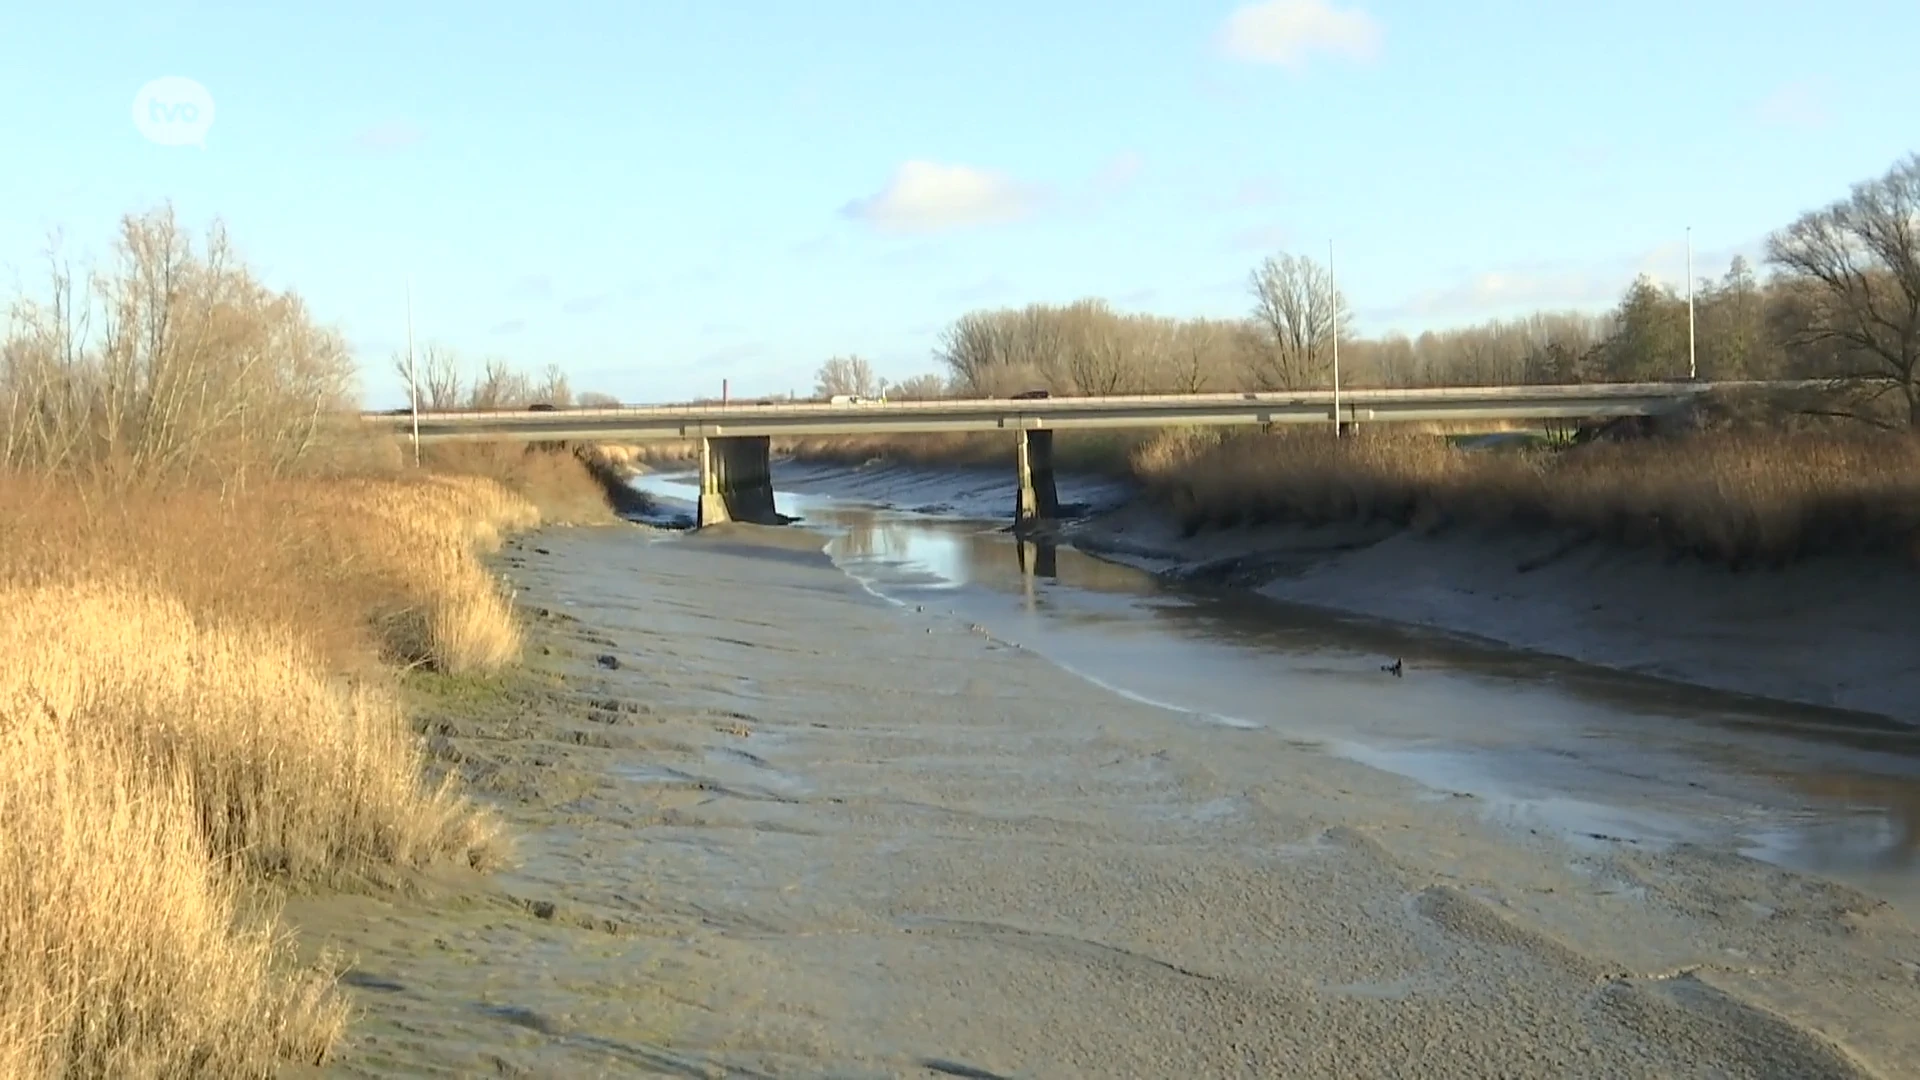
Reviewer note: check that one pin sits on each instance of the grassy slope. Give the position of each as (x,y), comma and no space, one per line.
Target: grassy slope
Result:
(197,700)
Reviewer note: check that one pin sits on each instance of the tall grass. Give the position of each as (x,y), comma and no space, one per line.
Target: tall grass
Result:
(194,701)
(1091,452)
(359,568)
(1738,498)
(122,952)
(208,575)
(583,485)
(290,773)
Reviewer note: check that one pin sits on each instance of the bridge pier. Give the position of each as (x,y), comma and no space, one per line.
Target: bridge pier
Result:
(1038,503)
(736,480)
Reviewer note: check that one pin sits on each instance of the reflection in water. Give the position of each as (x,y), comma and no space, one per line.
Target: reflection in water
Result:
(1542,743)
(1038,558)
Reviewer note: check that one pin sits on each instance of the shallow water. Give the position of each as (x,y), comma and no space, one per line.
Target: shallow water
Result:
(1593,756)
(774,818)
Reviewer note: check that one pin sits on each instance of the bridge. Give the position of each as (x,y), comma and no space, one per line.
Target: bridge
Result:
(735,438)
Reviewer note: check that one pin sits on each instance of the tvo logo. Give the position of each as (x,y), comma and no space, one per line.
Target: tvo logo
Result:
(173,111)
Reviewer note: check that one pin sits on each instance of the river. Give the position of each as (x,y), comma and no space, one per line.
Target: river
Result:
(1593,756)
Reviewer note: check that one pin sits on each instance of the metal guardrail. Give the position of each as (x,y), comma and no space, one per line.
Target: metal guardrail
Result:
(673,422)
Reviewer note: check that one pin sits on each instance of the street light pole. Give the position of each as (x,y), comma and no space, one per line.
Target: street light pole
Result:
(413,384)
(1693,371)
(1333,298)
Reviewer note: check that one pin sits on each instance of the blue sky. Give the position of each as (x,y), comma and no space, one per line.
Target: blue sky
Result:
(657,195)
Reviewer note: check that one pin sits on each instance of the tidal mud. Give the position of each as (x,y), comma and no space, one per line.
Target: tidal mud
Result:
(800,831)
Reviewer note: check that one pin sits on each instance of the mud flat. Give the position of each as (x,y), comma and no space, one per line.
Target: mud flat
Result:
(772,826)
(1837,633)
(1840,633)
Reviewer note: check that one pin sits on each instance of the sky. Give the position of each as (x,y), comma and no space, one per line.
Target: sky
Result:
(661,195)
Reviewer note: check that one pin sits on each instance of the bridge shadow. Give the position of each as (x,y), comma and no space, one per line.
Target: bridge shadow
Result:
(1038,558)
(960,1069)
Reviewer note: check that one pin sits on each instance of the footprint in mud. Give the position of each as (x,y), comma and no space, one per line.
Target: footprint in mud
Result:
(1717,1026)
(361,980)
(526,1018)
(1464,915)
(955,1068)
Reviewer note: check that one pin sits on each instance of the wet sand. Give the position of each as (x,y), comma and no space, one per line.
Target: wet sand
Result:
(1837,633)
(770,825)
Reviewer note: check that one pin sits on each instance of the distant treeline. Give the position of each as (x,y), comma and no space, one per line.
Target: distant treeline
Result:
(1841,301)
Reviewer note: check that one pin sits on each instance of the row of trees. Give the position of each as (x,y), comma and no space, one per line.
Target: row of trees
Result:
(854,375)
(442,379)
(1842,303)
(170,358)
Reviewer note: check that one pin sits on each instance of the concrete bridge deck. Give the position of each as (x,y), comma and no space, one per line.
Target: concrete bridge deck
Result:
(677,422)
(735,438)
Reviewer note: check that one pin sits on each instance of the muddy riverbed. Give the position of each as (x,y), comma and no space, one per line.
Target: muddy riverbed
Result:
(779,817)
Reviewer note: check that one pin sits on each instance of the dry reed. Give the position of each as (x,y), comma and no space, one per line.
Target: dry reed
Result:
(1739,498)
(122,952)
(190,701)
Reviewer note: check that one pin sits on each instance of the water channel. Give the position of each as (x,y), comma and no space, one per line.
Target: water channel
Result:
(1595,756)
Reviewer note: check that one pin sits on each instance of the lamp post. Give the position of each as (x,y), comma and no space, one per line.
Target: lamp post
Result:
(413,384)
(1693,371)
(1333,299)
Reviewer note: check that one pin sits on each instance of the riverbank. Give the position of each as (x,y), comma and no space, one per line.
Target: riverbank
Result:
(770,825)
(196,718)
(1772,565)
(200,715)
(1834,632)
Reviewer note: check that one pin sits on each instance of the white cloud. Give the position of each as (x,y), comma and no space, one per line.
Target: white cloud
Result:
(743,352)
(1120,171)
(390,136)
(1797,105)
(980,291)
(1287,32)
(533,287)
(586,304)
(1265,238)
(926,196)
(1590,285)
(1494,290)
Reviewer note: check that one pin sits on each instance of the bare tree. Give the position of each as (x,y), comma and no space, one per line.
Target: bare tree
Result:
(973,348)
(919,388)
(1297,312)
(594,399)
(846,375)
(500,387)
(1862,254)
(196,366)
(1097,347)
(553,387)
(435,377)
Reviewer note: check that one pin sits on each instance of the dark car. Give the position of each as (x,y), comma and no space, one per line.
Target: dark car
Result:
(543,407)
(1030,395)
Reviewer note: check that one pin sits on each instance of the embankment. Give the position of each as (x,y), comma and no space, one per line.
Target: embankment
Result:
(772,828)
(1776,564)
(1827,631)
(200,714)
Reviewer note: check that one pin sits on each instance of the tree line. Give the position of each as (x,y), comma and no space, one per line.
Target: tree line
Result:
(171,358)
(1841,302)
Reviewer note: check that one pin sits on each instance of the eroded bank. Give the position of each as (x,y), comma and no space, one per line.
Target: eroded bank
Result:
(771,824)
